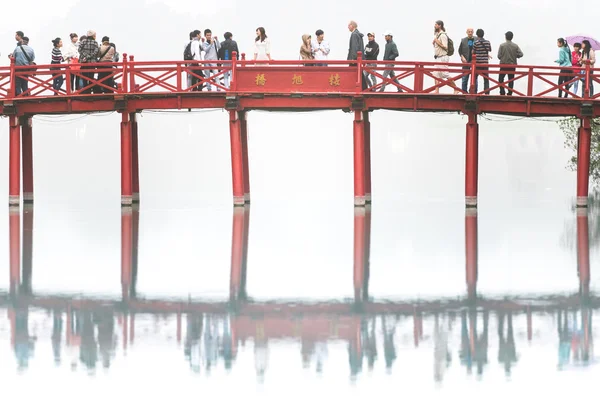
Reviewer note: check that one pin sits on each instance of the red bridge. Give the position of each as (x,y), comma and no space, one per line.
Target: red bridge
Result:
(283,86)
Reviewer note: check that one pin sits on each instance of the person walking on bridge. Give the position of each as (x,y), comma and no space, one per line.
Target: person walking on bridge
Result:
(440,53)
(465,51)
(508,53)
(23,55)
(564,60)
(356,41)
(481,50)
(371,54)
(390,54)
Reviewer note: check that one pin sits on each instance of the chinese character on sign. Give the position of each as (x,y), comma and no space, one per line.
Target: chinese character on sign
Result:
(260,80)
(334,80)
(297,80)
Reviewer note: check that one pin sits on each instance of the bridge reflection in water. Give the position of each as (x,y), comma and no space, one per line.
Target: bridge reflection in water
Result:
(88,331)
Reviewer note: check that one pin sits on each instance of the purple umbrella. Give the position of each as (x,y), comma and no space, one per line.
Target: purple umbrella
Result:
(580,38)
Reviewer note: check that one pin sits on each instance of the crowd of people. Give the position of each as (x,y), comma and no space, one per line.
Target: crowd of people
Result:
(204,46)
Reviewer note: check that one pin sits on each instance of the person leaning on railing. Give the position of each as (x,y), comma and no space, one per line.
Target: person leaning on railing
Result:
(588,57)
(88,54)
(106,54)
(71,55)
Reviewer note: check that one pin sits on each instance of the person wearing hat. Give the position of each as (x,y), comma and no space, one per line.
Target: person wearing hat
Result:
(88,54)
(390,54)
(371,54)
(106,55)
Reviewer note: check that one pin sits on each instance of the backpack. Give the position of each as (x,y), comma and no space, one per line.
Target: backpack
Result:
(187,53)
(450,49)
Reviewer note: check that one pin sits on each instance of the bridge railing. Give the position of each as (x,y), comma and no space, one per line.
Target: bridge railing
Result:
(359,77)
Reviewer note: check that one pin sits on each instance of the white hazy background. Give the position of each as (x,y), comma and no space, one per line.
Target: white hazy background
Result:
(301,232)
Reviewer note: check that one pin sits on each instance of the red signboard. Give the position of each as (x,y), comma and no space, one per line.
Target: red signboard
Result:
(284,79)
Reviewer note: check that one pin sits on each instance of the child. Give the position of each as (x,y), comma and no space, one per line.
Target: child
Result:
(576,57)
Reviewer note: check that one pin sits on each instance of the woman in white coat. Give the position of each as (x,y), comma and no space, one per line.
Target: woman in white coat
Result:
(71,55)
(262,45)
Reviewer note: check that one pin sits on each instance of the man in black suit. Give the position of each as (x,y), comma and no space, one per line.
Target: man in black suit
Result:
(465,50)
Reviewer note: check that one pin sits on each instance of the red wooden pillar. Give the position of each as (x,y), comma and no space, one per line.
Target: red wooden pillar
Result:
(471,164)
(14,221)
(27,143)
(244,134)
(367,157)
(359,159)
(583,161)
(583,251)
(126,250)
(238,250)
(471,251)
(126,165)
(134,251)
(14,162)
(135,160)
(27,270)
(359,253)
(237,158)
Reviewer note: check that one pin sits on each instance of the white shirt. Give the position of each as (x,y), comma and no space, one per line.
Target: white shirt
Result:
(320,50)
(196,50)
(261,49)
(70,50)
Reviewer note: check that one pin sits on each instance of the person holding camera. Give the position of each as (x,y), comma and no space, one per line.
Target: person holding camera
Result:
(210,47)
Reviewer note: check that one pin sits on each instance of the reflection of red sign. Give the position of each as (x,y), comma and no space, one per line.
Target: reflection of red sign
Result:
(284,79)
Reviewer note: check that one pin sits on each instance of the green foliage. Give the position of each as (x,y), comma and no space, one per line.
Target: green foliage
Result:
(570,127)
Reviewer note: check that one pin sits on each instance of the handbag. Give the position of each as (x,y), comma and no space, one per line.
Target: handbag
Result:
(74,60)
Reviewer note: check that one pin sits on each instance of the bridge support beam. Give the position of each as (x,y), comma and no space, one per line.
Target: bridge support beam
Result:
(243,115)
(471,252)
(367,157)
(126,164)
(237,158)
(126,251)
(359,159)
(14,223)
(583,161)
(135,159)
(27,148)
(239,253)
(362,238)
(583,251)
(14,162)
(472,161)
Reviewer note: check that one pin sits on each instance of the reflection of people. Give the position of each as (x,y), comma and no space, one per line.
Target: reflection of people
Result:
(320,355)
(441,355)
(24,344)
(465,353)
(191,346)
(370,343)
(211,349)
(507,353)
(107,341)
(228,353)
(88,351)
(481,343)
(389,350)
(56,335)
(564,339)
(261,358)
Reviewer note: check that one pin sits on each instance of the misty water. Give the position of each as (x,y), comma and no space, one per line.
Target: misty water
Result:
(165,298)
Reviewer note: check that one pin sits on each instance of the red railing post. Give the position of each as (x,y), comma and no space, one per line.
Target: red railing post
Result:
(68,73)
(360,71)
(473,79)
(237,163)
(583,161)
(471,251)
(243,59)
(13,79)
(359,159)
(472,160)
(14,174)
(586,89)
(126,165)
(131,69)
(179,70)
(530,82)
(419,77)
(233,77)
(125,80)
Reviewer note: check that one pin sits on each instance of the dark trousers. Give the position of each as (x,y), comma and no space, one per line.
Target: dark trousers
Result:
(21,85)
(57,83)
(511,75)
(466,81)
(566,76)
(483,71)
(195,80)
(89,74)
(108,82)
(590,84)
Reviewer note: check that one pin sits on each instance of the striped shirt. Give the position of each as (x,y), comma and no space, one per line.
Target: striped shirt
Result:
(482,49)
(57,56)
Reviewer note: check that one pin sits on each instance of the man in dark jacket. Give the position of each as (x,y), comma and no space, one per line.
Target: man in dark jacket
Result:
(465,51)
(508,54)
(228,47)
(390,54)
(371,53)
(356,41)
(88,55)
